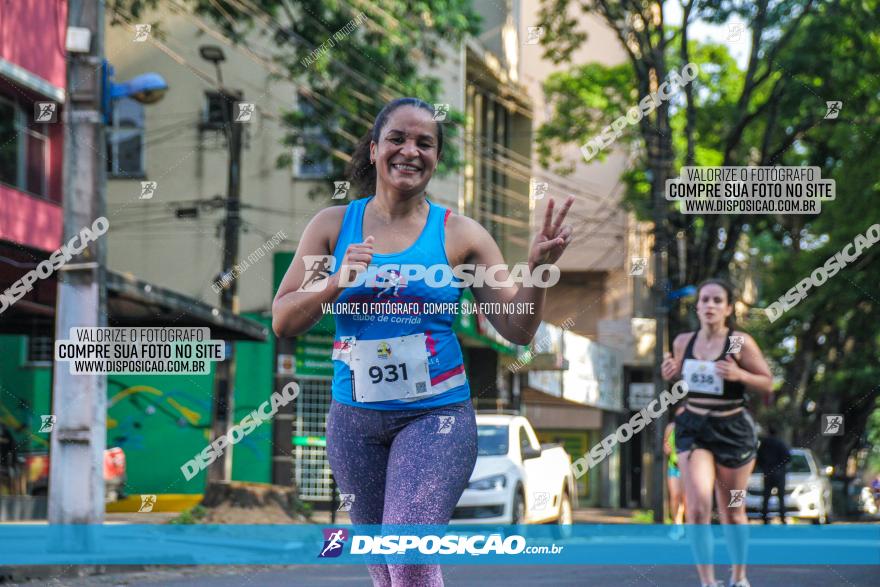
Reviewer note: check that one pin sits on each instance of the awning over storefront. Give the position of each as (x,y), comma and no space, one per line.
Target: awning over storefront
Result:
(130,302)
(476,330)
(545,411)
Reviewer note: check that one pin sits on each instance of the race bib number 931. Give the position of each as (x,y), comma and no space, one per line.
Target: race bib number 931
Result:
(390,369)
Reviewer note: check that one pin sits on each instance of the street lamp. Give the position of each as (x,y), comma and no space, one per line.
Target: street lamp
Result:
(215,55)
(147,88)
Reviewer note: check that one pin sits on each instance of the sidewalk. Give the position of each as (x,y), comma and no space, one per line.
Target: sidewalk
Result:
(603,516)
(580,515)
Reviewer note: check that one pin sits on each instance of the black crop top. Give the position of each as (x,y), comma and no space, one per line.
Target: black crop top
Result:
(734,391)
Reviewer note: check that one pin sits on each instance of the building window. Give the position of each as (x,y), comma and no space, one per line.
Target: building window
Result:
(125,140)
(311,157)
(39,350)
(24,148)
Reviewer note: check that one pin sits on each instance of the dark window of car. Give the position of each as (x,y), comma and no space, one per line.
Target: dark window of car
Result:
(524,442)
(799,464)
(491,440)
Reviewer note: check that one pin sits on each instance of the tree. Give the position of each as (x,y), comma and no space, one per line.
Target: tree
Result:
(348,59)
(802,54)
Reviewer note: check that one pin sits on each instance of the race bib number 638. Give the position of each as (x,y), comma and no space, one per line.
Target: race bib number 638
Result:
(701,377)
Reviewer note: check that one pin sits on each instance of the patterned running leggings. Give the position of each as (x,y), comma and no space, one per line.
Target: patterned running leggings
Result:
(403,467)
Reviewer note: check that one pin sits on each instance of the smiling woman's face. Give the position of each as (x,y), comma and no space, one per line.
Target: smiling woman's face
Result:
(407,152)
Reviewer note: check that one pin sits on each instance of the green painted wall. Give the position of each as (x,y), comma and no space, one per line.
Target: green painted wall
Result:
(254,381)
(160,421)
(24,395)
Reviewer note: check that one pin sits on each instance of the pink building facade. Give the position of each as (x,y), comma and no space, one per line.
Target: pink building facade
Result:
(32,99)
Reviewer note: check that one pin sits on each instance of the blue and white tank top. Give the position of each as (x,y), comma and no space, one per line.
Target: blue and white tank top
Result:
(445,363)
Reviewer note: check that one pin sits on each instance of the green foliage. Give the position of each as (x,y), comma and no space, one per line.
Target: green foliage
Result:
(194,515)
(772,113)
(643,517)
(346,83)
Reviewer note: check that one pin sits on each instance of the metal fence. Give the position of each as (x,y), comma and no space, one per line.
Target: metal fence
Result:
(312,471)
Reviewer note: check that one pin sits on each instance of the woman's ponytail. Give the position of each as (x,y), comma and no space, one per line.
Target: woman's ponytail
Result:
(360,172)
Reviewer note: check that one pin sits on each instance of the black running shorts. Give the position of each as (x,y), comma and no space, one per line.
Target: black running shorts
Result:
(732,440)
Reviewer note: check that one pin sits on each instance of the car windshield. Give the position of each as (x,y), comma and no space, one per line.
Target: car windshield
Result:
(797,464)
(491,440)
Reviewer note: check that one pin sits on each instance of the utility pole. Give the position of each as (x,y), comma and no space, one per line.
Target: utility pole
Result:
(659,153)
(224,375)
(79,402)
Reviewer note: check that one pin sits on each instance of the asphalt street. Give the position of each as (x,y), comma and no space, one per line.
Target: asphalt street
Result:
(470,575)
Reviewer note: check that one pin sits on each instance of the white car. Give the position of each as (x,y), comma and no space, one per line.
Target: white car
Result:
(807,490)
(516,480)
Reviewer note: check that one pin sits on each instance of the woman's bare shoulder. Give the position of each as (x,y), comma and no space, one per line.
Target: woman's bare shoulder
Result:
(326,224)
(682,339)
(464,235)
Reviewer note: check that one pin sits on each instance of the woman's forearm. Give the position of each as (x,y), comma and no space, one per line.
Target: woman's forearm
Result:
(520,327)
(296,312)
(760,383)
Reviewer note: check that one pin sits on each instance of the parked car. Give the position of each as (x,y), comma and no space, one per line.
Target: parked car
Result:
(807,490)
(516,480)
(36,466)
(867,502)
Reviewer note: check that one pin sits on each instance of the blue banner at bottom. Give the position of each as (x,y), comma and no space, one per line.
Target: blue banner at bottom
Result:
(579,544)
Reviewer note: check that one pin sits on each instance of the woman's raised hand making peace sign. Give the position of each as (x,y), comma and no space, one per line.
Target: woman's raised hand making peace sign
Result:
(551,241)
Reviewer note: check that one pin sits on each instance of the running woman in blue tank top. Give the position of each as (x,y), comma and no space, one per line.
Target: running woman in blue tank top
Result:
(401,432)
